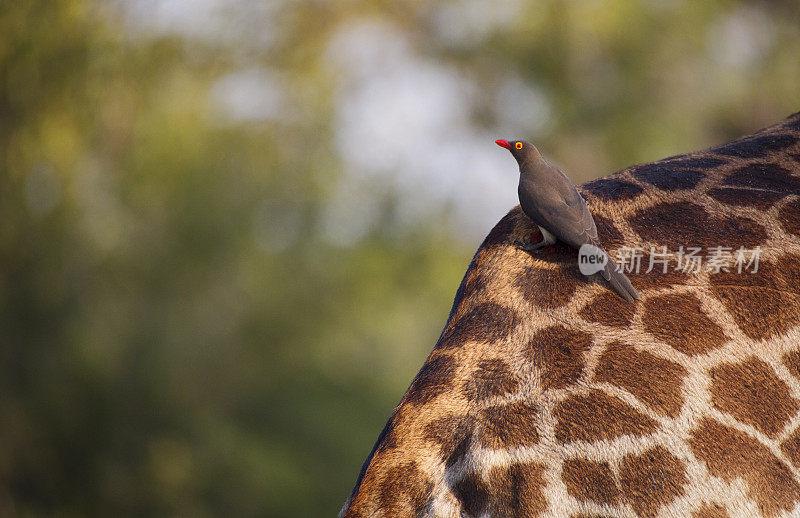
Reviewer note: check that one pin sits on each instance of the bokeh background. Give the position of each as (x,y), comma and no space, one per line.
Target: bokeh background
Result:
(231,231)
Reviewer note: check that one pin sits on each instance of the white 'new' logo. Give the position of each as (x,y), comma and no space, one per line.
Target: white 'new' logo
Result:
(591,259)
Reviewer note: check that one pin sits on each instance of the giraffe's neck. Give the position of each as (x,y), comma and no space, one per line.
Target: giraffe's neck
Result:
(548,395)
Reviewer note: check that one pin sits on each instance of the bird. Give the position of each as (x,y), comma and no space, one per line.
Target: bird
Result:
(553,203)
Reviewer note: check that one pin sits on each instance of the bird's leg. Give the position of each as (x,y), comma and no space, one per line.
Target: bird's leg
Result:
(547,239)
(525,244)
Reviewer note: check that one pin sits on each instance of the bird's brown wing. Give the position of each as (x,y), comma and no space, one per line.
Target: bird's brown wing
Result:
(551,200)
(569,220)
(558,207)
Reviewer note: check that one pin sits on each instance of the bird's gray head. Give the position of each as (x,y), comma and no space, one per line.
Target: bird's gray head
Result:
(522,150)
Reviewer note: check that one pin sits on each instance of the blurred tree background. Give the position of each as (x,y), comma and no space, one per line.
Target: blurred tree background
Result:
(231,231)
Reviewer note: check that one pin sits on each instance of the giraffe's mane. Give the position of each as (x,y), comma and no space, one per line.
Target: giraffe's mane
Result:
(539,366)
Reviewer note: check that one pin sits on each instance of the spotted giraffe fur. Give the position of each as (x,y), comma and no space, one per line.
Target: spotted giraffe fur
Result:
(547,395)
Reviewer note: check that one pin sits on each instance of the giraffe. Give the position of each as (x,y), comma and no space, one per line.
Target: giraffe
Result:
(547,395)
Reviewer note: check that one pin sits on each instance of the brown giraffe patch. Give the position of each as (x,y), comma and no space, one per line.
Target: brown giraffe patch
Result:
(789,268)
(791,447)
(405,490)
(475,281)
(608,233)
(490,378)
(612,189)
(756,147)
(508,426)
(710,511)
(668,178)
(548,288)
(751,392)
(473,494)
(597,416)
(518,490)
(792,362)
(450,433)
(651,480)
(461,451)
(514,492)
(789,216)
(691,225)
(729,454)
(762,304)
(588,480)
(486,323)
(608,309)
(679,320)
(402,489)
(654,381)
(765,176)
(433,379)
(746,197)
(696,162)
(674,174)
(559,352)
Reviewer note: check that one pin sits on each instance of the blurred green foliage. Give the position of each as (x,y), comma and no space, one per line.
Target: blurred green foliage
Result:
(177,335)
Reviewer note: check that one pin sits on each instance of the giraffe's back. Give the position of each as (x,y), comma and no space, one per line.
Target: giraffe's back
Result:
(547,395)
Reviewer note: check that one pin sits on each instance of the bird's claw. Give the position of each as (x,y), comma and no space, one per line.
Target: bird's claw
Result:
(526,245)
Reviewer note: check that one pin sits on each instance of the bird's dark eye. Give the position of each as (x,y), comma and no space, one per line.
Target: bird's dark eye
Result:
(518,145)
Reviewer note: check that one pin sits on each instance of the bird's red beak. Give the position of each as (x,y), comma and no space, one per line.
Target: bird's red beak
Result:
(503,143)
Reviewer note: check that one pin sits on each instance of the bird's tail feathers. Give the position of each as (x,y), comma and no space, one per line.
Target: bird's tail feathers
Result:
(619,281)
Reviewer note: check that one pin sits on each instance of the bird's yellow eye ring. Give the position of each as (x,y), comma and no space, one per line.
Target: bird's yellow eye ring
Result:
(518,145)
